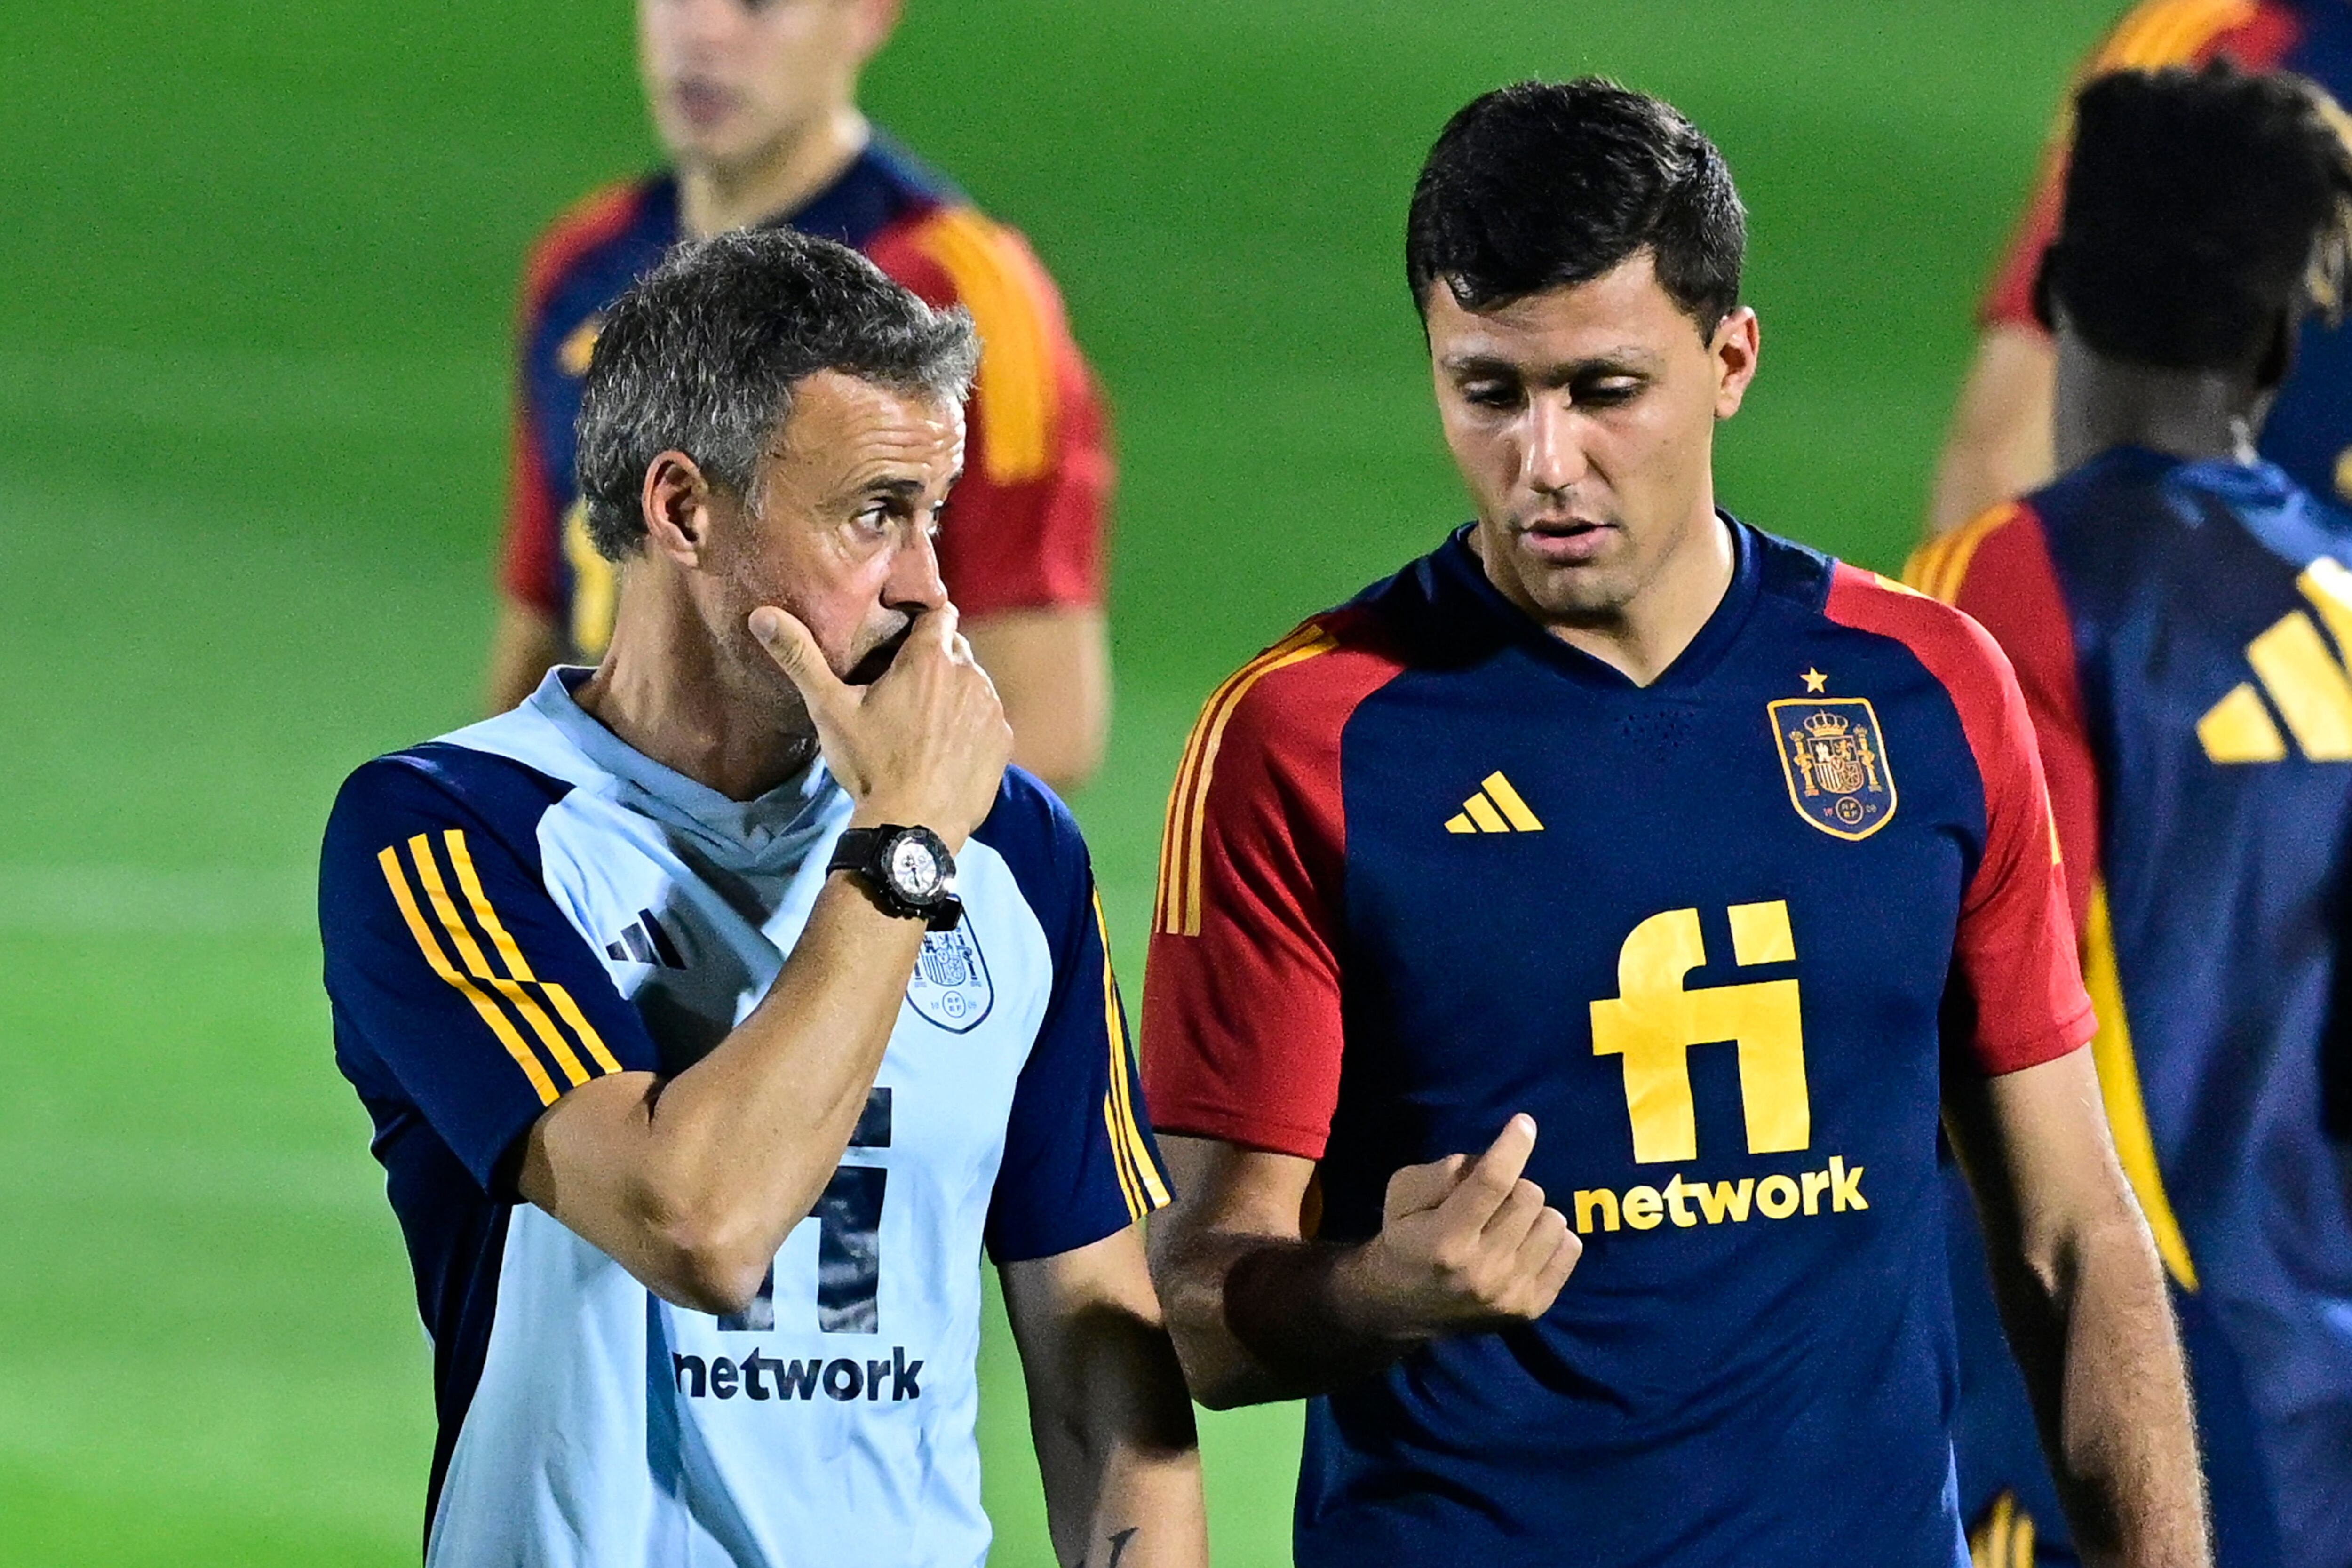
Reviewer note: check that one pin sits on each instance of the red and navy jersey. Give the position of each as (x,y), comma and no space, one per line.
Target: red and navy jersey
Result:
(2309,433)
(2181,631)
(1427,866)
(1027,524)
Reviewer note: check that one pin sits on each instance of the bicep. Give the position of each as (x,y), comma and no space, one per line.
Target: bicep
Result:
(1094,1352)
(2035,1148)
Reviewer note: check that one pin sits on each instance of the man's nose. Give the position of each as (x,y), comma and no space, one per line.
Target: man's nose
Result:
(914,583)
(1554,458)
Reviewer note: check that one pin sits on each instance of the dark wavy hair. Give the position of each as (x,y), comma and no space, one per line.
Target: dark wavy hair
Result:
(1544,184)
(701,356)
(2207,210)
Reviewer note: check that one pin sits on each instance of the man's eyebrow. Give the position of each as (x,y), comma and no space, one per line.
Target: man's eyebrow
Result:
(1627,360)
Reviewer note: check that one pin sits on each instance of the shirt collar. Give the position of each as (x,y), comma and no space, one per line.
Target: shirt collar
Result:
(778,827)
(1462,577)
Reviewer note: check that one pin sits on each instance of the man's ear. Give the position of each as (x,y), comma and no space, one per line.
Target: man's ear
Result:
(1737,344)
(876,20)
(677,504)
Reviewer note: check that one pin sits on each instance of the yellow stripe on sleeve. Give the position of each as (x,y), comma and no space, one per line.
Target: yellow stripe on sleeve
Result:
(389,860)
(1123,1126)
(429,871)
(510,954)
(997,283)
(1180,793)
(2119,1066)
(1181,909)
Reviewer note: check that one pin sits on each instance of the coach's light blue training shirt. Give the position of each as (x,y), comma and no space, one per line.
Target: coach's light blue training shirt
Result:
(529,904)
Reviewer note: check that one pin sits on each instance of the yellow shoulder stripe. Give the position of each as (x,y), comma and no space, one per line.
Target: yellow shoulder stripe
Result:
(1177,911)
(2169,32)
(1138,1174)
(998,282)
(2111,1052)
(478,982)
(1940,566)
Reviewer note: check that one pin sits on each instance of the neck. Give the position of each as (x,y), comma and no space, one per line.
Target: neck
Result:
(667,688)
(2196,415)
(775,182)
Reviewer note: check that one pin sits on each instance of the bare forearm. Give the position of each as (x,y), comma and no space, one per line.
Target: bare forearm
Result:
(1258,1319)
(2095,1340)
(695,1185)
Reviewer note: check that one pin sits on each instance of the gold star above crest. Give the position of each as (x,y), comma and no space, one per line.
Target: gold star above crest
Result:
(1814,679)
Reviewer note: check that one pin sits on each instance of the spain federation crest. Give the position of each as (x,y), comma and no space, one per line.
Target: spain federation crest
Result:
(950,987)
(1834,755)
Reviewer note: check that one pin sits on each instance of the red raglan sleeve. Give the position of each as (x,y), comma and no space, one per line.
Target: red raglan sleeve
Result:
(2016,994)
(1998,570)
(2153,34)
(1242,1030)
(530,548)
(1026,527)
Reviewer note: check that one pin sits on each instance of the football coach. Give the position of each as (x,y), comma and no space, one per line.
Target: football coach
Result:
(717,1006)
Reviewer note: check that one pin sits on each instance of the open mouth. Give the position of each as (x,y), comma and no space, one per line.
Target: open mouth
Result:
(701,103)
(1565,540)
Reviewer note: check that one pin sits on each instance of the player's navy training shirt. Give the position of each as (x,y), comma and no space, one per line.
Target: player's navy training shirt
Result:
(528,904)
(2181,631)
(1427,866)
(2309,430)
(1030,511)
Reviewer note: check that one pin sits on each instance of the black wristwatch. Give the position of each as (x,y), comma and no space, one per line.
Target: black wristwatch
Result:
(908,870)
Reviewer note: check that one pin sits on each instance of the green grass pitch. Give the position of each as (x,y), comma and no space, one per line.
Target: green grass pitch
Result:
(258,266)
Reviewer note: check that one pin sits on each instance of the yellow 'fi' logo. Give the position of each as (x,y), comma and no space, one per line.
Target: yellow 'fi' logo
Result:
(1834,755)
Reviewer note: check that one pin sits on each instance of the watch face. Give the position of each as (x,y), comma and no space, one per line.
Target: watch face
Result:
(914,867)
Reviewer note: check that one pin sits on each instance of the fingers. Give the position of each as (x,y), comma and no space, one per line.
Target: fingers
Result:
(796,653)
(1416,1188)
(1487,1184)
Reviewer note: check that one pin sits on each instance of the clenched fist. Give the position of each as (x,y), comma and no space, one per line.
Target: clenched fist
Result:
(1465,1245)
(925,745)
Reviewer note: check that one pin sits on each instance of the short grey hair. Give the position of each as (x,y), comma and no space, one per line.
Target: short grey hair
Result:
(701,354)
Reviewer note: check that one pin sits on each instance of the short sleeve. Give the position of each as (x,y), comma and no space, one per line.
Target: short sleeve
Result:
(451,970)
(1998,569)
(1243,1029)
(2015,996)
(1079,1161)
(530,547)
(1027,524)
(2017,973)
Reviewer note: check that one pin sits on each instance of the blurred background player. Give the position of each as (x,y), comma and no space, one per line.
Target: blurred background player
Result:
(2170,604)
(1616,819)
(1999,444)
(755,101)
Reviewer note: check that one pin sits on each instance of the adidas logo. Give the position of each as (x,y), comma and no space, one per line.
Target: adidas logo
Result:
(1496,808)
(2305,683)
(645,941)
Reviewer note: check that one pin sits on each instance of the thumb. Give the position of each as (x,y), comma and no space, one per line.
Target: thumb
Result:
(795,651)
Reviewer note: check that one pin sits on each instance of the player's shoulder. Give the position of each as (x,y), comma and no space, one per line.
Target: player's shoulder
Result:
(2159,33)
(432,789)
(607,215)
(1948,641)
(1302,690)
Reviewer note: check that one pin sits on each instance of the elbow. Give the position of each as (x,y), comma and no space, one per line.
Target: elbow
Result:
(716,1282)
(707,1258)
